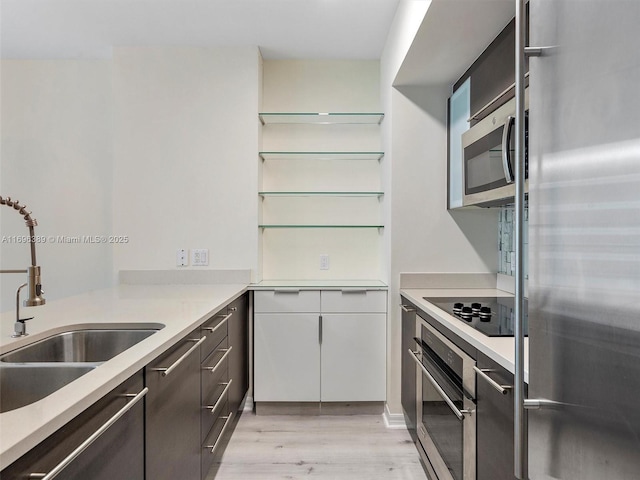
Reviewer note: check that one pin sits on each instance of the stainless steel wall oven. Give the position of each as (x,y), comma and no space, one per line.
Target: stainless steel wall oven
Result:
(446,419)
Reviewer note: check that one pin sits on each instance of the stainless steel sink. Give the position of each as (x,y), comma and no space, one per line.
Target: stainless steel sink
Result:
(78,346)
(23,384)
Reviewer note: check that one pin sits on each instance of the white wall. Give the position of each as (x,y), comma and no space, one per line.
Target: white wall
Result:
(185,155)
(56,158)
(423,235)
(321,86)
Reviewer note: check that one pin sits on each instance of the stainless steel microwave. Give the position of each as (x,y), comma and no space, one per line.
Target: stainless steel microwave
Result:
(488,157)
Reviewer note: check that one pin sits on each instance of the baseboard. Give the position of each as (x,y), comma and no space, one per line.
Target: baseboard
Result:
(318,408)
(393,420)
(247,404)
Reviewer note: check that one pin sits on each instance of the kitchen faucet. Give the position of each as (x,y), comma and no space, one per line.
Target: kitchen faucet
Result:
(33,272)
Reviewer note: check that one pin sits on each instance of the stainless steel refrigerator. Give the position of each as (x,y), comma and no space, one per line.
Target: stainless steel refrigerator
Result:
(584,240)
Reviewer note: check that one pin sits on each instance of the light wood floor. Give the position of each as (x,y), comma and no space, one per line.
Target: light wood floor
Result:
(348,447)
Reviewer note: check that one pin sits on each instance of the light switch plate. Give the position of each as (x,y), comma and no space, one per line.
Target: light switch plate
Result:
(324,262)
(199,257)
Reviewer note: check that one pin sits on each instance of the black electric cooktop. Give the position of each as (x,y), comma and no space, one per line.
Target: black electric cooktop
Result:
(493,316)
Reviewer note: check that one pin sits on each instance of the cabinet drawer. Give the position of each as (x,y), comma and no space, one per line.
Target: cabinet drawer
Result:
(354,301)
(214,443)
(212,410)
(215,370)
(286,301)
(216,331)
(118,453)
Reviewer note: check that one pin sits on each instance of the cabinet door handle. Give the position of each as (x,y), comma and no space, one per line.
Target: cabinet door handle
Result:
(84,445)
(482,372)
(406,308)
(222,322)
(320,329)
(226,353)
(168,370)
(217,404)
(226,424)
(278,291)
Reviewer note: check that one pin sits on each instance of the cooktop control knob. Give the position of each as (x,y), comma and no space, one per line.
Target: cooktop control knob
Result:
(457,307)
(475,307)
(485,314)
(466,313)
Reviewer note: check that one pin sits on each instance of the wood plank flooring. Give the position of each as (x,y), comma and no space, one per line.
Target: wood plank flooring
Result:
(347,447)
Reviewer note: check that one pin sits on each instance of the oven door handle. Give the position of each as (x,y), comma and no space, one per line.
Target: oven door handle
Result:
(458,413)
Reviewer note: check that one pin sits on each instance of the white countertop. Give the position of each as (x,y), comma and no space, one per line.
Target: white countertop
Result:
(499,349)
(319,284)
(178,308)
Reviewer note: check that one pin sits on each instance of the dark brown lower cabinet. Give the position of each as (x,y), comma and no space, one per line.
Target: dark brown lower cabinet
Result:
(116,454)
(408,367)
(177,428)
(172,447)
(494,429)
(239,357)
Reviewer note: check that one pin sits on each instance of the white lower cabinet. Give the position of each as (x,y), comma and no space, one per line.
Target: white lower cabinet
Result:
(286,357)
(319,356)
(353,357)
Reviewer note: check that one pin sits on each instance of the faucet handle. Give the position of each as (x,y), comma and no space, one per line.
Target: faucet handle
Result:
(19,328)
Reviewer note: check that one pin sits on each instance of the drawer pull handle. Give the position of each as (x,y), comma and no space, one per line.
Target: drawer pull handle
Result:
(354,291)
(222,322)
(482,372)
(168,370)
(84,445)
(219,401)
(226,424)
(278,291)
(226,353)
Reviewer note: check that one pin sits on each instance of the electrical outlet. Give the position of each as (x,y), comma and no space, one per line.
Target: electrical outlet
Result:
(182,259)
(199,257)
(324,262)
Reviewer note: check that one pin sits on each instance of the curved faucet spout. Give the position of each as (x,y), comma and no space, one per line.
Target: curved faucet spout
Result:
(35,286)
(28,220)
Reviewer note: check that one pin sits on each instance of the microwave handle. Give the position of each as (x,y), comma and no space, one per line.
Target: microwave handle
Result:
(506,152)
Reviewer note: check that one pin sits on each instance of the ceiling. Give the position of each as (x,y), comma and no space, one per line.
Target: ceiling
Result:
(336,29)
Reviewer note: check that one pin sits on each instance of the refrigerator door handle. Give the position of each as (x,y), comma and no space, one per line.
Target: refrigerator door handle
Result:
(541,403)
(506,149)
(520,432)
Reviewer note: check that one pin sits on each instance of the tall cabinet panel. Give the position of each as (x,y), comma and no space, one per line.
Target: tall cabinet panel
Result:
(239,361)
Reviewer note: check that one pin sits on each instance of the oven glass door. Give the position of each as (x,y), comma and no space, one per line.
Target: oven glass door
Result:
(442,425)
(483,162)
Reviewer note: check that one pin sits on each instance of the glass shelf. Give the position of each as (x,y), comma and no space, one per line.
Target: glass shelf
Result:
(321,194)
(320,226)
(321,155)
(320,118)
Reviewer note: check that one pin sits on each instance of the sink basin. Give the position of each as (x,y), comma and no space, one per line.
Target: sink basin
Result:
(23,384)
(78,346)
